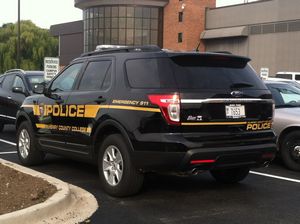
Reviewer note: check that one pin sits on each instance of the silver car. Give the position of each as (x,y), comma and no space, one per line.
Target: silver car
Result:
(287,122)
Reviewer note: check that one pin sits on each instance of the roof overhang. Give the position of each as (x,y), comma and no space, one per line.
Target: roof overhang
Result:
(84,4)
(240,31)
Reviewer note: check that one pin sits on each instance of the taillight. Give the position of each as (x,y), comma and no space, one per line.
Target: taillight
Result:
(169,106)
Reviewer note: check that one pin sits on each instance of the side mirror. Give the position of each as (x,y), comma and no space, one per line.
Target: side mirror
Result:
(18,90)
(39,88)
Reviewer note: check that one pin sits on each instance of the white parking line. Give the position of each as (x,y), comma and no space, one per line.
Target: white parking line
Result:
(8,142)
(6,153)
(276,177)
(252,172)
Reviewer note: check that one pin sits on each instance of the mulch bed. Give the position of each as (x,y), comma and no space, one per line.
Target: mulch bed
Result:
(19,190)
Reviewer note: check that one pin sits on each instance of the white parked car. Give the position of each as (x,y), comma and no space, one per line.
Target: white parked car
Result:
(295,76)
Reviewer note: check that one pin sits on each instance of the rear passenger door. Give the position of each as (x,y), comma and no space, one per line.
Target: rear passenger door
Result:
(93,95)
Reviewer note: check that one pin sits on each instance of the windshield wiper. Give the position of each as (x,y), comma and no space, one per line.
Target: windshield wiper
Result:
(241,85)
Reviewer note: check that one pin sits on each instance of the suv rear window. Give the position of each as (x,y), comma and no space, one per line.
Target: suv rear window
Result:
(192,72)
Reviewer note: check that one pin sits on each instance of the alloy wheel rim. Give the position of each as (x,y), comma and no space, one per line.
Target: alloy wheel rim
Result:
(296,152)
(112,164)
(24,143)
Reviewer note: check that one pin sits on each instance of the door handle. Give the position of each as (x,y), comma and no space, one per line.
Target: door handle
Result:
(100,99)
(9,97)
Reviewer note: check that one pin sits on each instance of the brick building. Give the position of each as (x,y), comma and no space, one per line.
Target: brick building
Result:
(171,24)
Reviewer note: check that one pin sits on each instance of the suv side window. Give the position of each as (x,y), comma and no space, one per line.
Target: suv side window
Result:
(18,83)
(150,73)
(7,83)
(97,76)
(65,81)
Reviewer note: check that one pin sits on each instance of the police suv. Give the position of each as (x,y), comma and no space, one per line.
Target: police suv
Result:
(132,110)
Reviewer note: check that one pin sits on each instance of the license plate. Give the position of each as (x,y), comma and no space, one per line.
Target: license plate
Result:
(235,111)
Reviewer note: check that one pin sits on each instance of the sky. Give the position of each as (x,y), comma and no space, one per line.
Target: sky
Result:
(45,13)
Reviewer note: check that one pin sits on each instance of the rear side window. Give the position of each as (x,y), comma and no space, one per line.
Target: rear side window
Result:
(97,76)
(297,77)
(150,73)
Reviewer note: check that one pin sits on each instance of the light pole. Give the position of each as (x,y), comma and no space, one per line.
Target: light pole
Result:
(19,37)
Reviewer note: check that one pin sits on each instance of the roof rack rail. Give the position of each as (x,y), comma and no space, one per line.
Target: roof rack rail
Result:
(221,52)
(15,70)
(106,49)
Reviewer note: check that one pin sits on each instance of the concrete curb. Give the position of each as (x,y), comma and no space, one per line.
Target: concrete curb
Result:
(60,208)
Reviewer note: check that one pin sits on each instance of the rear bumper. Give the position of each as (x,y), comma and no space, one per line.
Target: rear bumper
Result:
(206,158)
(180,156)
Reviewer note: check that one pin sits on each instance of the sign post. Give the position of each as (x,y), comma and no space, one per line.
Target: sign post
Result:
(264,73)
(51,67)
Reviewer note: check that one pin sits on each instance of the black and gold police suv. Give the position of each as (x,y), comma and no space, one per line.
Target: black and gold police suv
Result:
(132,110)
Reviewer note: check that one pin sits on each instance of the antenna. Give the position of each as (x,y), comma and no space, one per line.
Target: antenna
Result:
(198,46)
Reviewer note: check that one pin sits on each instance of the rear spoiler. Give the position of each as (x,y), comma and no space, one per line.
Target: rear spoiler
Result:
(209,60)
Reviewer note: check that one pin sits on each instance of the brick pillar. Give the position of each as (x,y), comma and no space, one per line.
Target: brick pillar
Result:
(191,27)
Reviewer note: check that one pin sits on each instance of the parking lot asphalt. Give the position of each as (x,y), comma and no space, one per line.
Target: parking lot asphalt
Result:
(171,199)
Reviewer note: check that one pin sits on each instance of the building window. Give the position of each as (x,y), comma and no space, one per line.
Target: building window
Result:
(123,25)
(180,37)
(180,16)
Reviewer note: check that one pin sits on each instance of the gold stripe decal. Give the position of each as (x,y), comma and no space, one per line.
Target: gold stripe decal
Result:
(250,125)
(83,111)
(213,123)
(87,130)
(146,109)
(35,109)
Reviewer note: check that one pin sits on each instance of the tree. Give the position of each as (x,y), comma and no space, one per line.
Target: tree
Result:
(36,43)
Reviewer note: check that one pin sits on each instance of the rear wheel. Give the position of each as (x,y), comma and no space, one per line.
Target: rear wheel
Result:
(230,176)
(117,174)
(290,150)
(28,152)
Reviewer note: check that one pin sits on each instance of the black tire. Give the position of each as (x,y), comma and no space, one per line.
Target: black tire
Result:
(34,156)
(1,127)
(131,179)
(289,153)
(230,176)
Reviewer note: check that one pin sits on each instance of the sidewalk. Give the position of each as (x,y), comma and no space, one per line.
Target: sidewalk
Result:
(70,204)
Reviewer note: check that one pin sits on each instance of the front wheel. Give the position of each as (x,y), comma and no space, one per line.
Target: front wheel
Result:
(28,152)
(117,174)
(290,150)
(230,176)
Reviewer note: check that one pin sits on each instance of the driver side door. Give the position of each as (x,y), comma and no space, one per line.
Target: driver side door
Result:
(52,114)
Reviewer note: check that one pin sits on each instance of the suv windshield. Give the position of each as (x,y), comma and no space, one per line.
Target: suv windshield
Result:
(192,72)
(34,79)
(285,95)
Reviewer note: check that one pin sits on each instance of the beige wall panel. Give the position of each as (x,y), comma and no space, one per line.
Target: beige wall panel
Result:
(253,13)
